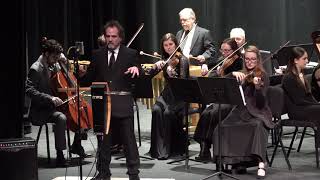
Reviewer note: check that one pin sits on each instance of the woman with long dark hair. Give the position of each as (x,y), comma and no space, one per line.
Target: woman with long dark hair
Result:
(300,102)
(167,135)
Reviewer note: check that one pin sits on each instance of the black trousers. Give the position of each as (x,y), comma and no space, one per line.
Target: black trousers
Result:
(59,121)
(127,137)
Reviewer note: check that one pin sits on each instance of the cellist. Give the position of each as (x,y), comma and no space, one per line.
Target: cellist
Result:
(205,127)
(43,102)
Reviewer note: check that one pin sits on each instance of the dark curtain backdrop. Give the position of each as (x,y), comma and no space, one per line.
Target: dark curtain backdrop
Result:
(268,24)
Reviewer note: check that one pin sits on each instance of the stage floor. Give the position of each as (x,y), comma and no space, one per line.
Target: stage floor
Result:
(303,163)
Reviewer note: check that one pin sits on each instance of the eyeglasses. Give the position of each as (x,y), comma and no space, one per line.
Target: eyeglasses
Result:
(250,59)
(225,50)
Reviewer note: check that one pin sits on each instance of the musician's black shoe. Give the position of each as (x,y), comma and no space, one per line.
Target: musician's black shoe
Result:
(239,169)
(78,149)
(134,177)
(101,176)
(204,154)
(60,160)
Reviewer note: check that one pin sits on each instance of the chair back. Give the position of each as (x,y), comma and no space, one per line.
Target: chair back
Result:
(276,103)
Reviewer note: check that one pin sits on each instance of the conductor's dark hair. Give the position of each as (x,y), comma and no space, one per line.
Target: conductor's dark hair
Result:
(114,23)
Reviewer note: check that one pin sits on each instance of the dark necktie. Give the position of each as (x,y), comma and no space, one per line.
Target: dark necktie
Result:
(184,38)
(112,59)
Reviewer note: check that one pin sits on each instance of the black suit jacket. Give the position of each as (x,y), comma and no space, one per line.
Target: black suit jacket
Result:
(296,98)
(121,106)
(201,44)
(39,91)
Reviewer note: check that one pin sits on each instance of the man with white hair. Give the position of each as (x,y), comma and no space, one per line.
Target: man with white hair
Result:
(196,42)
(239,36)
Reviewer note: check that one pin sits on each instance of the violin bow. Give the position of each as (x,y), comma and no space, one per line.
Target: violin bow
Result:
(276,52)
(135,35)
(230,55)
(183,40)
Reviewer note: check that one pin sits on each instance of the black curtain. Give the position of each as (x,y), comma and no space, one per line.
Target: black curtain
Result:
(268,24)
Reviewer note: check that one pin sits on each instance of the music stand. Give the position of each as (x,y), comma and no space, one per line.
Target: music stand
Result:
(284,54)
(186,90)
(221,91)
(142,88)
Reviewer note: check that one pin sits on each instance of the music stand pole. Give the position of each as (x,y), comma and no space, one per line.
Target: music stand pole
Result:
(221,91)
(220,172)
(141,89)
(188,91)
(76,60)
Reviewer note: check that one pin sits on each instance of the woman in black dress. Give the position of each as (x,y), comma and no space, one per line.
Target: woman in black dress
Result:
(300,102)
(209,117)
(245,130)
(167,135)
(315,83)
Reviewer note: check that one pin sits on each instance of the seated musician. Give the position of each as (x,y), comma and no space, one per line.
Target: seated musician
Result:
(239,36)
(167,135)
(245,129)
(44,102)
(315,83)
(301,104)
(209,117)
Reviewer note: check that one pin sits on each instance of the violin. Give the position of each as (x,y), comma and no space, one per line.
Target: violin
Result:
(227,63)
(256,72)
(174,61)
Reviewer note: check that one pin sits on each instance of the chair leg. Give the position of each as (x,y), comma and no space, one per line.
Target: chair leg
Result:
(38,135)
(292,140)
(301,139)
(316,146)
(286,156)
(48,144)
(69,143)
(275,148)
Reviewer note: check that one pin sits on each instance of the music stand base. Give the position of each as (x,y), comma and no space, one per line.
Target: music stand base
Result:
(145,157)
(186,159)
(220,173)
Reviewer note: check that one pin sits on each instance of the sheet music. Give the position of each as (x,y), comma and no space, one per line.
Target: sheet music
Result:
(242,95)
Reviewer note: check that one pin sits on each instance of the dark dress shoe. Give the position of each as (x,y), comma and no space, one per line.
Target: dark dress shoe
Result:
(239,169)
(101,176)
(134,177)
(79,151)
(61,162)
(204,154)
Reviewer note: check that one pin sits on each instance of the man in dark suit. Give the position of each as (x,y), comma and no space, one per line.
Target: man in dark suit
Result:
(118,65)
(43,102)
(198,46)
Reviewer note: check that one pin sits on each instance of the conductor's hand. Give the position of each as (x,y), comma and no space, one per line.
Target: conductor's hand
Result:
(201,58)
(57,101)
(160,64)
(204,69)
(133,70)
(239,76)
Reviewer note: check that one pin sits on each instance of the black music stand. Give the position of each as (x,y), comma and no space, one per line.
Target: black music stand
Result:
(142,88)
(186,90)
(221,91)
(284,54)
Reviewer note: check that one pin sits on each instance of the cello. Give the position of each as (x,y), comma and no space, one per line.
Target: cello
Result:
(63,79)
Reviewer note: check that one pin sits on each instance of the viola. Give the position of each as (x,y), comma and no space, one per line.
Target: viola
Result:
(256,72)
(63,79)
(227,63)
(174,61)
